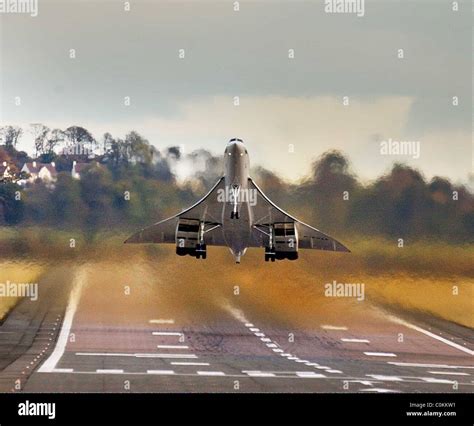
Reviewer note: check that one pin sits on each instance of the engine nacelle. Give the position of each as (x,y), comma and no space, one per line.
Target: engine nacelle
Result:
(188,239)
(284,238)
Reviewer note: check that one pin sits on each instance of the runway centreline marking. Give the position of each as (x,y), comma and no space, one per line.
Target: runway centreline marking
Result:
(430,334)
(50,364)
(108,371)
(415,364)
(137,355)
(167,333)
(355,340)
(161,321)
(380,354)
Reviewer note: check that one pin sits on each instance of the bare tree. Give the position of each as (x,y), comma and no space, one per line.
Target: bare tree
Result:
(10,135)
(40,133)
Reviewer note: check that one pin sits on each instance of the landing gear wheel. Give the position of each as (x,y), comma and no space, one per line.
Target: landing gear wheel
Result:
(201,251)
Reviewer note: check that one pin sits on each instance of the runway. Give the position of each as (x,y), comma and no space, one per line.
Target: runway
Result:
(116,330)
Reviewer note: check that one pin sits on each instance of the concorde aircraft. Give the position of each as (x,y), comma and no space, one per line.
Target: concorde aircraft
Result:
(236,214)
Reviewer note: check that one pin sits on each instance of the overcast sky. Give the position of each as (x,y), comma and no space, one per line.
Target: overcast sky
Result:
(299,101)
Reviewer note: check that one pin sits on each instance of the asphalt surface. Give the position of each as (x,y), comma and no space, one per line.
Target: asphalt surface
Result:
(106,329)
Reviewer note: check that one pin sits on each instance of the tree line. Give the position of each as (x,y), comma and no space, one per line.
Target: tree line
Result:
(130,183)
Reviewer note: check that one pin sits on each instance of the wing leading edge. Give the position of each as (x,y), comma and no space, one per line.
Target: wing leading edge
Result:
(208,209)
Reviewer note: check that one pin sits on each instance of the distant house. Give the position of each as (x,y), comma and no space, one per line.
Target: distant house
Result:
(4,171)
(78,168)
(45,171)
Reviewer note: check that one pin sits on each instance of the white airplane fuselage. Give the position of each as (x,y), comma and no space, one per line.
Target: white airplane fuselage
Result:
(237,209)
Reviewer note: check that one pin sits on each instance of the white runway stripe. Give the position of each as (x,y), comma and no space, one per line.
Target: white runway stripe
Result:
(449,373)
(189,363)
(387,378)
(166,333)
(161,321)
(432,335)
(333,327)
(309,374)
(259,374)
(380,354)
(50,364)
(248,324)
(434,380)
(210,373)
(138,355)
(108,371)
(172,347)
(161,372)
(62,370)
(355,340)
(414,364)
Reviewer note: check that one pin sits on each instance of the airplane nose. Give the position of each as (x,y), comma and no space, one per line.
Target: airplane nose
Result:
(236,148)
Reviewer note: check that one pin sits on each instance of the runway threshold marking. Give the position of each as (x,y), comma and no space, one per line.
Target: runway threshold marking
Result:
(50,364)
(430,334)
